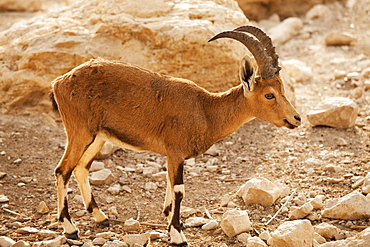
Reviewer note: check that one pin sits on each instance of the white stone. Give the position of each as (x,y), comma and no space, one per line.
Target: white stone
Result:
(99,241)
(300,212)
(318,11)
(97,166)
(107,149)
(353,206)
(298,70)
(326,230)
(42,208)
(103,176)
(235,222)
(285,30)
(156,34)
(151,186)
(317,202)
(20,243)
(132,225)
(27,230)
(115,189)
(57,242)
(160,176)
(132,239)
(149,171)
(4,198)
(338,112)
(211,225)
(265,235)
(337,38)
(260,191)
(6,241)
(297,233)
(255,242)
(213,150)
(196,221)
(243,237)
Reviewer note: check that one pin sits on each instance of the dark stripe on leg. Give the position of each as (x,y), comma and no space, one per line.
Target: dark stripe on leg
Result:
(92,205)
(175,222)
(64,213)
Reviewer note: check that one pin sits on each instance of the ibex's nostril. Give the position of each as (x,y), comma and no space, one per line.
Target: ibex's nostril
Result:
(298,118)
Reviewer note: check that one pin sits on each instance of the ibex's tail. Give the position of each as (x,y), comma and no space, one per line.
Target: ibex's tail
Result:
(53,102)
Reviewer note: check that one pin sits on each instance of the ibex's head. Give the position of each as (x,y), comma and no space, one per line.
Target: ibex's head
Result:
(265,89)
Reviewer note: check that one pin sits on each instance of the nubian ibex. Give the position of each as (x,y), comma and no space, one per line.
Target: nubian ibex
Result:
(138,109)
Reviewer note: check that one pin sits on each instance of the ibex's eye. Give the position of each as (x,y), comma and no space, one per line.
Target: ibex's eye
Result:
(269,96)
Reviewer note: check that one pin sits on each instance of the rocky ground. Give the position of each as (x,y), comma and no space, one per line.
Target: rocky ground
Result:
(310,160)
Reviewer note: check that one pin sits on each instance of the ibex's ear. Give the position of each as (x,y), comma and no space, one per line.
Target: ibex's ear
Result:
(248,70)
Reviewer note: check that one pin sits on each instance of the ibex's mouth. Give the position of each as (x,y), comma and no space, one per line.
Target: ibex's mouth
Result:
(289,125)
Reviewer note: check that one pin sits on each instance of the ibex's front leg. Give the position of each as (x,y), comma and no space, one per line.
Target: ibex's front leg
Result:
(174,195)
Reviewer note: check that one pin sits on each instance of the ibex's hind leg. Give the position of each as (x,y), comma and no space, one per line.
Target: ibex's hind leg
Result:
(81,173)
(74,150)
(174,195)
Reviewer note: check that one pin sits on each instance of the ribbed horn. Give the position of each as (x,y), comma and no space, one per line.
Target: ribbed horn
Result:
(254,46)
(265,41)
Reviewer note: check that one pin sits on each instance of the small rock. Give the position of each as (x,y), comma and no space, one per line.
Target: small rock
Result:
(160,176)
(196,221)
(301,212)
(6,242)
(213,150)
(256,242)
(115,189)
(57,242)
(42,208)
(285,30)
(366,185)
(265,235)
(342,142)
(297,233)
(337,112)
(151,186)
(326,230)
(99,241)
(260,191)
(103,176)
(298,70)
(127,189)
(132,239)
(107,149)
(318,11)
(2,174)
(26,179)
(211,225)
(320,239)
(131,225)
(149,171)
(350,207)
(4,198)
(74,242)
(235,222)
(97,166)
(243,237)
(317,202)
(27,230)
(105,235)
(21,243)
(337,38)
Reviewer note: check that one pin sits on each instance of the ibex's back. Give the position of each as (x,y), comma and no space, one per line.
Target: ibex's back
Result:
(142,110)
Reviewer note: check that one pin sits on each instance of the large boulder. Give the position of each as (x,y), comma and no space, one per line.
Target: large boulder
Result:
(168,37)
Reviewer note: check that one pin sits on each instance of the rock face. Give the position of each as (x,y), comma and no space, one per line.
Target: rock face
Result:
(261,9)
(335,112)
(350,207)
(168,37)
(20,5)
(297,233)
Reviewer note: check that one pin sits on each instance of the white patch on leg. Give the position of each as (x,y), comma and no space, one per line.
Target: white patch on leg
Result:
(179,188)
(176,236)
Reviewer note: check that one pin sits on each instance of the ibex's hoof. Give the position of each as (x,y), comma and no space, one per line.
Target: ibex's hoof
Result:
(73,236)
(104,223)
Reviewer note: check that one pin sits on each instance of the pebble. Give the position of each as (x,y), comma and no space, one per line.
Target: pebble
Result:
(196,221)
(97,166)
(99,241)
(103,176)
(4,198)
(42,208)
(338,38)
(139,239)
(151,186)
(2,174)
(114,189)
(326,230)
(211,225)
(131,225)
(300,212)
(160,176)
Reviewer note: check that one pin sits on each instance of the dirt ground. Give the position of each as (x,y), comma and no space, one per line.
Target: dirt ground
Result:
(31,146)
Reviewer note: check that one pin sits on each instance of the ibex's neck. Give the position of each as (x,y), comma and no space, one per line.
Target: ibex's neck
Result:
(227,112)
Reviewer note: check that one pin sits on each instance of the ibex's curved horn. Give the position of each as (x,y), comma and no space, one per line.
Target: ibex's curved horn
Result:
(265,41)
(255,47)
